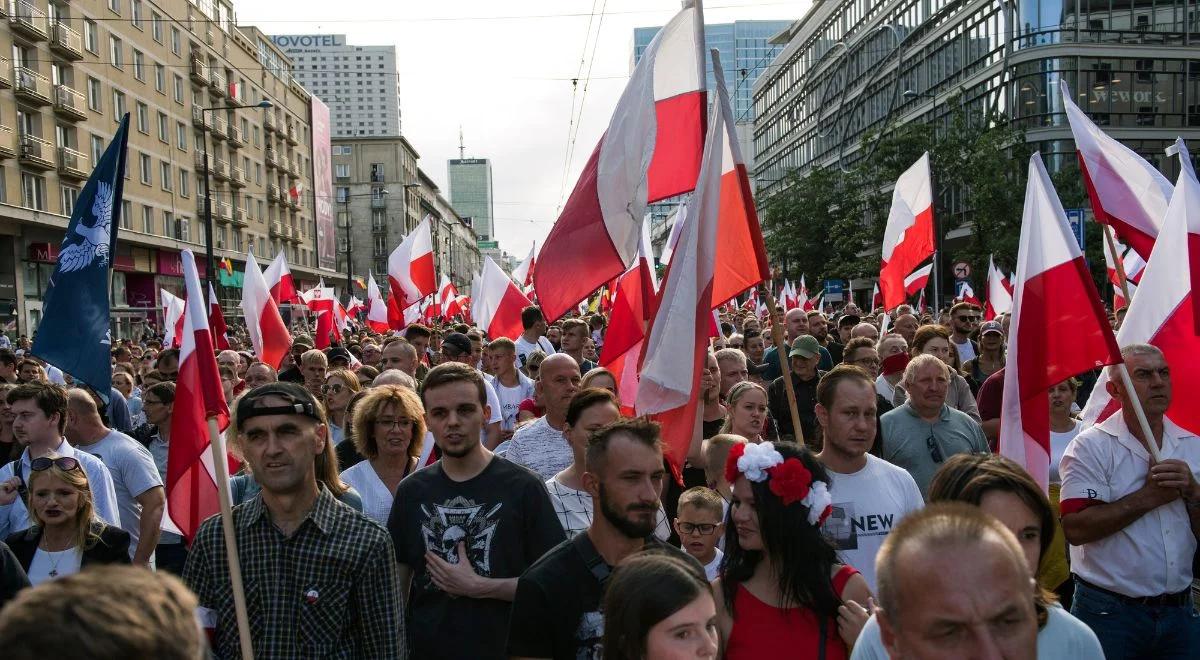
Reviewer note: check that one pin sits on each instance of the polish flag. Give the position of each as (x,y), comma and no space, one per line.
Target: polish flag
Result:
(268,334)
(627,328)
(458,305)
(814,302)
(908,238)
(876,297)
(448,294)
(674,353)
(1127,193)
(920,304)
(191,483)
(1058,326)
(650,151)
(523,274)
(498,303)
(410,267)
(216,321)
(1162,313)
(279,280)
(917,279)
(320,298)
(377,313)
(173,308)
(356,306)
(802,292)
(966,293)
(1134,267)
(999,297)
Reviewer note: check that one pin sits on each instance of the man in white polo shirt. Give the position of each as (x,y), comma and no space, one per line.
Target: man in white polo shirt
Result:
(1132,524)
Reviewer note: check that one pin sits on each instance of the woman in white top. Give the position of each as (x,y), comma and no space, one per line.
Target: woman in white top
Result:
(746,406)
(340,386)
(389,431)
(1064,427)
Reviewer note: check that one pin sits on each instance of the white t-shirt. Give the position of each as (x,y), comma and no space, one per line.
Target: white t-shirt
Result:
(493,403)
(510,399)
(133,472)
(377,499)
(1058,445)
(524,348)
(867,506)
(541,448)
(966,350)
(574,510)
(61,563)
(712,570)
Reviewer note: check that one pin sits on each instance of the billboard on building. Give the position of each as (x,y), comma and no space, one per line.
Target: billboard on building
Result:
(323,186)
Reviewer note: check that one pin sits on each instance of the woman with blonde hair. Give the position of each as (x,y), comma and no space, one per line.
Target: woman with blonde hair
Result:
(340,385)
(389,431)
(935,340)
(65,536)
(746,404)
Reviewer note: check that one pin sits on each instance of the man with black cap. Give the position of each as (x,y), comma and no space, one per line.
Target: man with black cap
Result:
(456,347)
(321,576)
(338,357)
(803,358)
(289,369)
(845,325)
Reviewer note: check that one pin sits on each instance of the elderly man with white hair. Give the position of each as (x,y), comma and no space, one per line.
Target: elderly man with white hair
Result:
(924,432)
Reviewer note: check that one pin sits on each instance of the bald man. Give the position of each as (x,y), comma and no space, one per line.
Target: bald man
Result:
(865,329)
(141,499)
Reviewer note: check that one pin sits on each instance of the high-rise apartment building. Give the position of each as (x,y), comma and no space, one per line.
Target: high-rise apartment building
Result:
(471,194)
(191,80)
(360,84)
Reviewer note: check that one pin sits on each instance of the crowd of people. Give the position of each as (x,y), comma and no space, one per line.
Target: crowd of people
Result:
(436,493)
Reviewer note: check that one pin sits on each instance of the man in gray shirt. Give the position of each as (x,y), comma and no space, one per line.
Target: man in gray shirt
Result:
(924,432)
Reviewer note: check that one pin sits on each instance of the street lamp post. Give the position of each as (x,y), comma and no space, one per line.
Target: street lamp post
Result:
(208,223)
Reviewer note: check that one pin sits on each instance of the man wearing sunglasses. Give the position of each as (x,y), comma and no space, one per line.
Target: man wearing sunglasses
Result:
(39,417)
(964,320)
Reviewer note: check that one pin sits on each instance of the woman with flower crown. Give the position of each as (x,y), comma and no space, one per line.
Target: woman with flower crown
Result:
(782,592)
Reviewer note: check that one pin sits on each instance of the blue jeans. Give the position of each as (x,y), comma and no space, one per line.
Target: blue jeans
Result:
(1129,631)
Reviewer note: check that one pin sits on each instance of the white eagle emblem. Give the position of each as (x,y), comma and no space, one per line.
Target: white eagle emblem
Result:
(94,246)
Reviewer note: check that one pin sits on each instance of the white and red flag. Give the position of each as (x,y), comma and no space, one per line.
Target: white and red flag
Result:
(355,306)
(1162,313)
(999,296)
(626,330)
(523,273)
(1134,266)
(917,279)
(268,334)
(320,298)
(279,280)
(191,484)
(173,309)
(876,297)
(448,294)
(377,311)
(216,321)
(674,353)
(964,292)
(1058,327)
(650,151)
(1127,193)
(498,303)
(908,237)
(410,268)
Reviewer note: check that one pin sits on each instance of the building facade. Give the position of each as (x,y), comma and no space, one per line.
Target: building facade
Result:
(455,246)
(73,70)
(471,194)
(360,84)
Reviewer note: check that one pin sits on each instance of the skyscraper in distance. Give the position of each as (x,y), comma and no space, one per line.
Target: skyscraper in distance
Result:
(471,193)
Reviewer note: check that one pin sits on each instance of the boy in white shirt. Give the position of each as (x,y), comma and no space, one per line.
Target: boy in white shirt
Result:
(699,525)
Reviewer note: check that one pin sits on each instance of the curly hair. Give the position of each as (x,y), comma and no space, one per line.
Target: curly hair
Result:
(368,410)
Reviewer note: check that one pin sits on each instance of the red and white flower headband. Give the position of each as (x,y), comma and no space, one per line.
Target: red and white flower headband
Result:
(788,479)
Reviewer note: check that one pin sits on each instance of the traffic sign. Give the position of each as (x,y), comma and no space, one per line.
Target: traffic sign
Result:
(487,245)
(1076,218)
(835,290)
(962,270)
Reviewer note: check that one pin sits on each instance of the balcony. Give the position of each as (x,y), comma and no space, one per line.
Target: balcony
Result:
(293,168)
(223,210)
(8,143)
(276,230)
(236,138)
(272,157)
(291,134)
(220,169)
(379,202)
(32,86)
(294,201)
(6,72)
(200,118)
(65,41)
(217,80)
(72,164)
(199,161)
(69,103)
(25,18)
(218,127)
(269,121)
(199,71)
(281,162)
(273,194)
(200,212)
(36,152)
(237,177)
(240,217)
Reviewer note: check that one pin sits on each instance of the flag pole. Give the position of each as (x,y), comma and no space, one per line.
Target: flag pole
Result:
(781,349)
(1120,265)
(1143,423)
(220,464)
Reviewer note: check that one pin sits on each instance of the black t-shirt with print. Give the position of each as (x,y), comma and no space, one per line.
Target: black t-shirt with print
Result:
(557,613)
(505,518)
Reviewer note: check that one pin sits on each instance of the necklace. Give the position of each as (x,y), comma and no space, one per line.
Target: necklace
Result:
(55,557)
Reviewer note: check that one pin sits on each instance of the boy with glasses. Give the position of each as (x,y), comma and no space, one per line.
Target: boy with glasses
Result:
(699,525)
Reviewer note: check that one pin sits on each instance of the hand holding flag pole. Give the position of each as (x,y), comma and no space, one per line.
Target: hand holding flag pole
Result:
(781,351)
(1118,262)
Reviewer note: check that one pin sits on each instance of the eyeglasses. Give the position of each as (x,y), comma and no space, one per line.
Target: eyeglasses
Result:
(935,451)
(389,423)
(735,346)
(965,319)
(871,362)
(62,462)
(705,529)
(150,402)
(335,388)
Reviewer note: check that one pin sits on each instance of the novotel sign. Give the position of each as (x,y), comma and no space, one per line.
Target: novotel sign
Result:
(286,41)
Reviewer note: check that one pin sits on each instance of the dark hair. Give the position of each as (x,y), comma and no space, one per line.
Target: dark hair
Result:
(801,555)
(586,398)
(639,429)
(453,372)
(645,589)
(827,386)
(51,399)
(530,316)
(416,330)
(958,307)
(854,344)
(167,353)
(926,333)
(164,390)
(7,357)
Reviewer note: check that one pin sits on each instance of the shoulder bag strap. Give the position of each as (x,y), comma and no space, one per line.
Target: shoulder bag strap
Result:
(592,559)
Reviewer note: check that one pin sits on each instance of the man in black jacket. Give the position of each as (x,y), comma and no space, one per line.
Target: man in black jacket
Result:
(802,359)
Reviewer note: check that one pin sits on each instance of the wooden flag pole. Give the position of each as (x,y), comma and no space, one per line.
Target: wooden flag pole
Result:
(1120,264)
(781,350)
(220,463)
(1151,444)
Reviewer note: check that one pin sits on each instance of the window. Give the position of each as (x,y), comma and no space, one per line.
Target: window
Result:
(165,176)
(115,6)
(178,89)
(237,241)
(91,37)
(168,224)
(181,133)
(184,178)
(97,148)
(93,94)
(143,117)
(164,130)
(68,196)
(139,65)
(115,52)
(175,40)
(147,176)
(135,13)
(119,105)
(156,25)
(184,233)
(341,170)
(33,191)
(343,194)
(148,219)
(160,78)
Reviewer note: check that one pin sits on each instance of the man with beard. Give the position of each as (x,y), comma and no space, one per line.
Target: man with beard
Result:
(556,613)
(466,527)
(818,326)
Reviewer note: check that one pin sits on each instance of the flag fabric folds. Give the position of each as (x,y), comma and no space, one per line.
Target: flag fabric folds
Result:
(650,151)
(917,279)
(74,332)
(377,311)
(279,280)
(1058,327)
(216,321)
(908,237)
(268,334)
(172,307)
(498,303)
(999,298)
(523,273)
(410,267)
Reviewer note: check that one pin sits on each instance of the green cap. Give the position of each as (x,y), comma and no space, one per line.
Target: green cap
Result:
(806,346)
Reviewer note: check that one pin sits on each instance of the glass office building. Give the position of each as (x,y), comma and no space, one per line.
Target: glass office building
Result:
(471,193)
(845,68)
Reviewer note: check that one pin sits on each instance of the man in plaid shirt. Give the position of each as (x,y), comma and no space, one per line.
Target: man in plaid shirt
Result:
(320,577)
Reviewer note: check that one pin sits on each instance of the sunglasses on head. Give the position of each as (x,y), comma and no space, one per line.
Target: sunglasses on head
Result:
(62,462)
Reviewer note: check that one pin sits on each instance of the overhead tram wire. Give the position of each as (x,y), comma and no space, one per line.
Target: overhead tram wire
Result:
(574,90)
(582,101)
